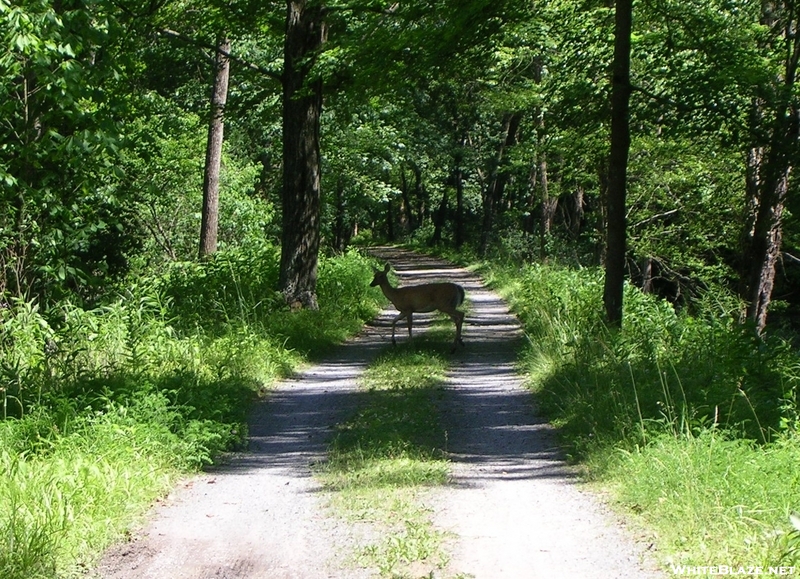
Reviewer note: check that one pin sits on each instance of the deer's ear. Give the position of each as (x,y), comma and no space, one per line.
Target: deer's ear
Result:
(386,269)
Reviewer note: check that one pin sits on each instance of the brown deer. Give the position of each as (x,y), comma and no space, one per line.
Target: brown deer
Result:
(445,297)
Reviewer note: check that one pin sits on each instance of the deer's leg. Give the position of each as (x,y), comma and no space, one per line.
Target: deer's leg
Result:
(458,320)
(408,318)
(394,323)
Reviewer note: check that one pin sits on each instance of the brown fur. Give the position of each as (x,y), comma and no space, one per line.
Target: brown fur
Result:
(444,297)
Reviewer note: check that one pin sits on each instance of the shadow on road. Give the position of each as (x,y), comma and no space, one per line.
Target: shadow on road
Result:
(488,416)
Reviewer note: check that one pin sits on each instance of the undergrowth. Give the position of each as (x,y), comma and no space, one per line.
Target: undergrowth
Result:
(386,453)
(102,409)
(691,419)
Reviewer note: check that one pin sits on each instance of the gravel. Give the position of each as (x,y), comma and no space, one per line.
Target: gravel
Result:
(513,508)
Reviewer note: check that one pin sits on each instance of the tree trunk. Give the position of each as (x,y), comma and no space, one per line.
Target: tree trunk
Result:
(575,212)
(458,181)
(647,275)
(618,164)
(341,231)
(302,107)
(494,191)
(420,194)
(529,221)
(549,206)
(216,130)
(763,241)
(406,211)
(390,220)
(439,219)
(768,171)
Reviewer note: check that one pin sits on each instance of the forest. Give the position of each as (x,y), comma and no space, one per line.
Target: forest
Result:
(186,188)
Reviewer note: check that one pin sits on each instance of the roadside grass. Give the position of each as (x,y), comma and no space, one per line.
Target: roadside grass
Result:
(102,410)
(690,420)
(58,508)
(713,500)
(383,458)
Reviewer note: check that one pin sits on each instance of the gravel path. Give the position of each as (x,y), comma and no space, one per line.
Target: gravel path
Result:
(514,508)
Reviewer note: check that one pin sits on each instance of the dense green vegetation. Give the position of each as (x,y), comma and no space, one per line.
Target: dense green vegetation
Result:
(690,420)
(480,126)
(104,408)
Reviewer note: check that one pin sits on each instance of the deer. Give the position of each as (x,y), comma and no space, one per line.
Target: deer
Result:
(445,297)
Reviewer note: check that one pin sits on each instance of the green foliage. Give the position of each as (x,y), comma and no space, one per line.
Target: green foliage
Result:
(691,419)
(62,505)
(672,182)
(238,287)
(664,372)
(103,408)
(60,225)
(230,287)
(163,171)
(713,499)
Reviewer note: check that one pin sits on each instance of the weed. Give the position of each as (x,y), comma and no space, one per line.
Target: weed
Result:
(390,449)
(711,498)
(103,408)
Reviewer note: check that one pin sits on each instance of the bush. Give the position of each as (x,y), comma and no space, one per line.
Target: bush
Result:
(692,420)
(664,371)
(102,408)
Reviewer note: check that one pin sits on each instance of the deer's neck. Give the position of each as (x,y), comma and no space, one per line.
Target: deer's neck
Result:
(389,291)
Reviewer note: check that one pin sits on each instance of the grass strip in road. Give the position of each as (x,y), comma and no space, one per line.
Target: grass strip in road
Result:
(384,456)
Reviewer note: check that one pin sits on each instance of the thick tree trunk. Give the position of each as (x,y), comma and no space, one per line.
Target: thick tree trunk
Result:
(216,130)
(618,165)
(763,245)
(302,107)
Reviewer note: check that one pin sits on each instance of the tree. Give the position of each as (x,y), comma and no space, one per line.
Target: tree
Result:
(498,176)
(60,218)
(216,130)
(306,32)
(770,161)
(618,164)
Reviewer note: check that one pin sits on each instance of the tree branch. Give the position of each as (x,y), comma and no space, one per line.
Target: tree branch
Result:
(789,257)
(655,218)
(167,33)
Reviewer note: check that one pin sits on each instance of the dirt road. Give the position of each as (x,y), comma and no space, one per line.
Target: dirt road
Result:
(513,506)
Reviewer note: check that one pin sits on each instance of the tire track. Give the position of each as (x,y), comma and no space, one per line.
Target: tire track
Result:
(514,506)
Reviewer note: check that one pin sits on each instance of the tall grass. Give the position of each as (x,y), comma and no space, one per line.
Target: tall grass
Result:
(712,499)
(692,418)
(103,408)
